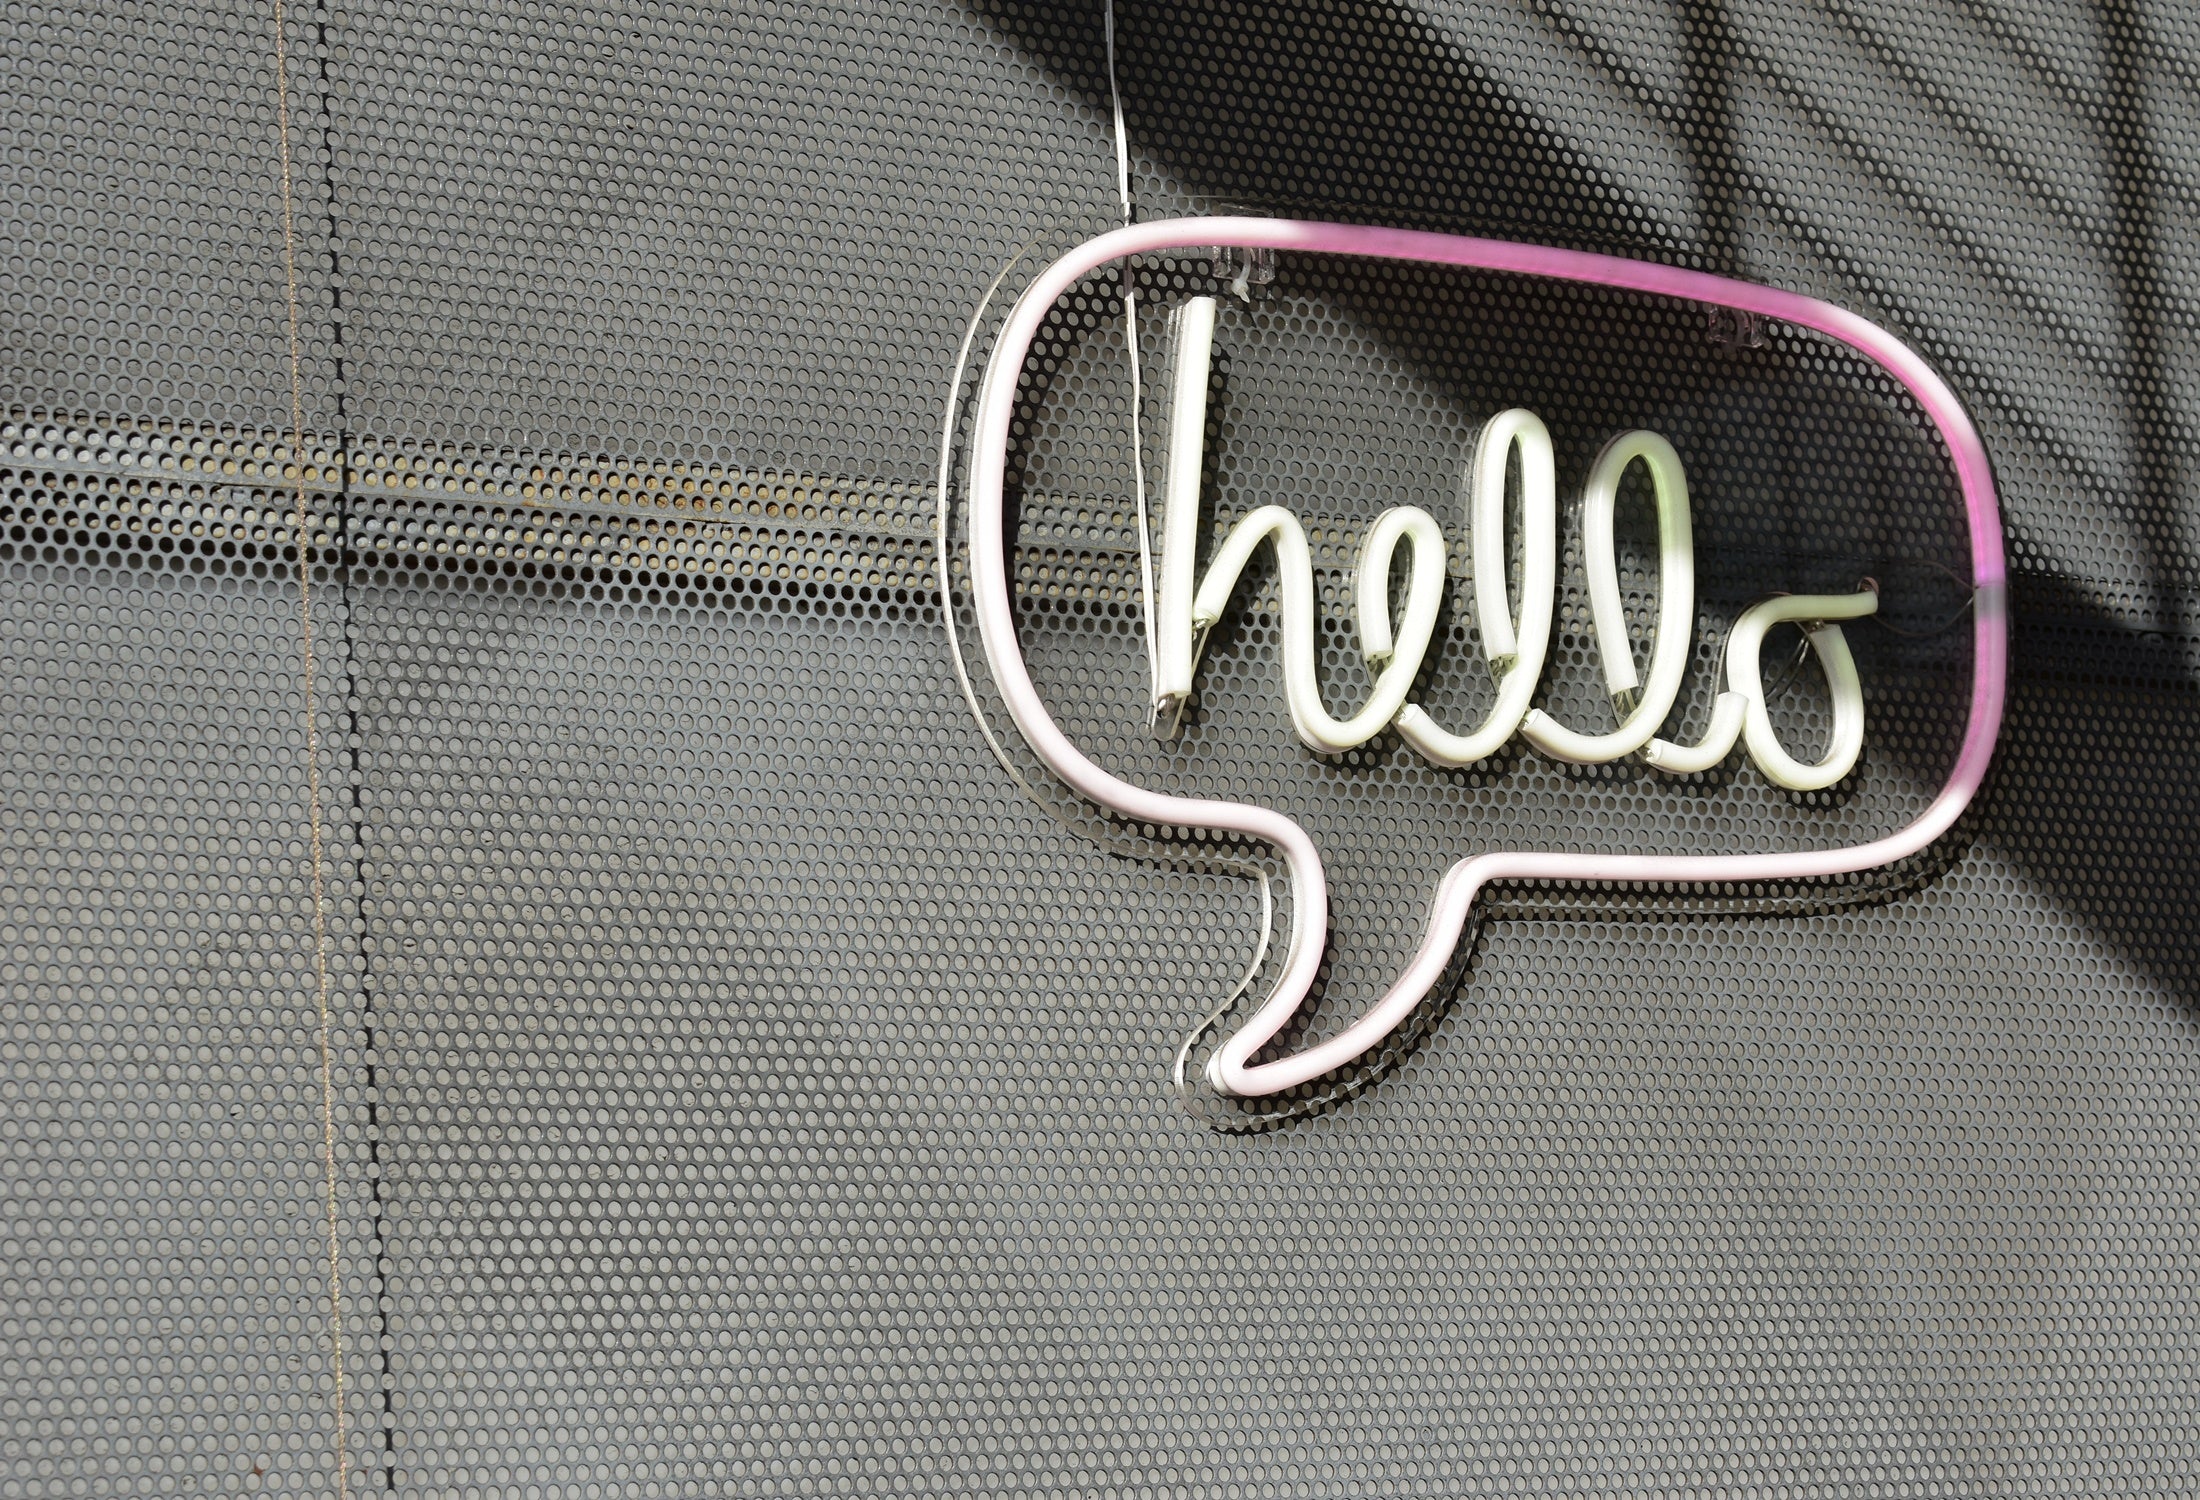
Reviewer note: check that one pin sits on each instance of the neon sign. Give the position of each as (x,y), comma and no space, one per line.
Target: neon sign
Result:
(1186,605)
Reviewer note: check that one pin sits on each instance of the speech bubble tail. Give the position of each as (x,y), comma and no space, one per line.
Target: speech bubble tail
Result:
(1231,1071)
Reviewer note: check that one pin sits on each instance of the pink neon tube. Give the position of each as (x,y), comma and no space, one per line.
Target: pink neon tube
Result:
(1231,1069)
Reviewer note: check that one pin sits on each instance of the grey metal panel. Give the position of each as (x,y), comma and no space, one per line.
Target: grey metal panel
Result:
(695,967)
(165,1265)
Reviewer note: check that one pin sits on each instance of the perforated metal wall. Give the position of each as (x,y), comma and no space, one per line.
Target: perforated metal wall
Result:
(735,1084)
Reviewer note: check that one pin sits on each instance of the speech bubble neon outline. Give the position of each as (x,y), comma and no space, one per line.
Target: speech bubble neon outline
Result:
(1231,1069)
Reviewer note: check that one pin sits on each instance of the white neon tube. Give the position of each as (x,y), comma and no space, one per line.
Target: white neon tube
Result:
(1741,708)
(1818,612)
(1231,1069)
(1187,614)
(1295,576)
(1192,337)
(1515,657)
(1424,594)
(1643,716)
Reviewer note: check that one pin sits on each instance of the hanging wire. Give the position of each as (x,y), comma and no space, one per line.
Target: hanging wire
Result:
(1790,671)
(1130,346)
(1970,596)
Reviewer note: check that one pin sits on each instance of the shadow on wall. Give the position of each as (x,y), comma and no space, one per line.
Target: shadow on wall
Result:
(1377,114)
